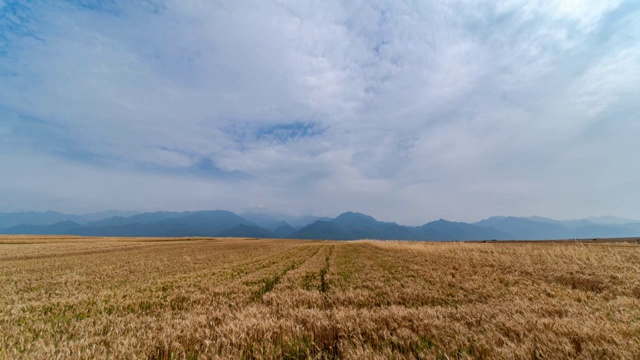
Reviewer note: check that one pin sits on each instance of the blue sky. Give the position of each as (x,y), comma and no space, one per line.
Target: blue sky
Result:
(405,110)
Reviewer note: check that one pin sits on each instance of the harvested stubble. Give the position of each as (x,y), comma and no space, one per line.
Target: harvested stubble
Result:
(235,298)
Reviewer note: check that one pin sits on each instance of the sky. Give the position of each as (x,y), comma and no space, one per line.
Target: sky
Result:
(408,111)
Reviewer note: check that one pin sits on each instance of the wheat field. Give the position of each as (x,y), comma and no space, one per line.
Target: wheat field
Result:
(125,298)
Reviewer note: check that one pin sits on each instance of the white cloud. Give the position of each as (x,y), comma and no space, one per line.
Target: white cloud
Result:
(609,79)
(425,108)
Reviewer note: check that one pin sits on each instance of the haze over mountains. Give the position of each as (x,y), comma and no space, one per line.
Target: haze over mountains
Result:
(347,226)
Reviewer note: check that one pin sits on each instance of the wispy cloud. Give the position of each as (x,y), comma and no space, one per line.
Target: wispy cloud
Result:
(408,111)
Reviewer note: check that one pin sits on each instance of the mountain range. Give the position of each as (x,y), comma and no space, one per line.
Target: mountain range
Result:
(347,226)
(51,217)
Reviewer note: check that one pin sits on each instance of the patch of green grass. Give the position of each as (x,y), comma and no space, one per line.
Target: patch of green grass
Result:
(270,282)
(324,285)
(308,280)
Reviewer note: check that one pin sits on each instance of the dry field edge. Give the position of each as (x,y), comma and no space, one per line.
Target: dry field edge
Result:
(201,298)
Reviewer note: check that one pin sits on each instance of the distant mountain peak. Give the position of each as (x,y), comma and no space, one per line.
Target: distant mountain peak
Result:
(351,215)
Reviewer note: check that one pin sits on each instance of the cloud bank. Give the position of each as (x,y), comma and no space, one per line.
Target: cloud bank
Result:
(408,111)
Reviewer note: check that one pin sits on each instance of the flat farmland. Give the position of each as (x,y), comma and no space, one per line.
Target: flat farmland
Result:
(72,297)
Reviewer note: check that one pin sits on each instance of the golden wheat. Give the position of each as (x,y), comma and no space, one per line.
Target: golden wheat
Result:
(72,297)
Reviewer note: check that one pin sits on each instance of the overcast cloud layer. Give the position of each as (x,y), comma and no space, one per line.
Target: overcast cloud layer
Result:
(408,111)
